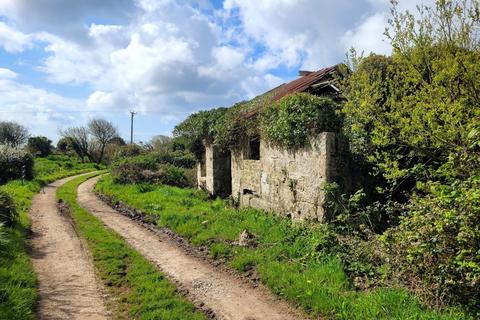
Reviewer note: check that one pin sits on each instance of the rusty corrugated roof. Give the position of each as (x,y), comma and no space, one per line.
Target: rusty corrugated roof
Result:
(305,82)
(298,85)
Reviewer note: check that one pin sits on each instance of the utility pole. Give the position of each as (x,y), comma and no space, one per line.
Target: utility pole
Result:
(132,113)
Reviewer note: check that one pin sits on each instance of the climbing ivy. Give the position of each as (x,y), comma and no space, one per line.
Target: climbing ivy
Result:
(290,121)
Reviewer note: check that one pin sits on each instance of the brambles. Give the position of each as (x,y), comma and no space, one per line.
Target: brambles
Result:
(438,243)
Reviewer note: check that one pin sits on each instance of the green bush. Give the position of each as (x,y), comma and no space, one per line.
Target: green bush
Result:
(7,209)
(178,158)
(148,169)
(171,175)
(290,121)
(41,146)
(15,164)
(439,243)
(134,170)
(129,150)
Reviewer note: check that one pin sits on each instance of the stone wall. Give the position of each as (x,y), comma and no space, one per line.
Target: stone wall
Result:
(217,177)
(286,182)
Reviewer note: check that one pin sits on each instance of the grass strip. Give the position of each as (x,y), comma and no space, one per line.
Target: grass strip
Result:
(141,291)
(293,260)
(18,282)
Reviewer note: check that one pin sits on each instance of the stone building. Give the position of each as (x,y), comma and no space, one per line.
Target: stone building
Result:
(288,182)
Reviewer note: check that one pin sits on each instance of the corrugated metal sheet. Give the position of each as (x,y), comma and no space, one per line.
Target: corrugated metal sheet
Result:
(304,83)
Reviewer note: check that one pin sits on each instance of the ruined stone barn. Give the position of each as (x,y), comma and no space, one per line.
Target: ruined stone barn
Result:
(261,175)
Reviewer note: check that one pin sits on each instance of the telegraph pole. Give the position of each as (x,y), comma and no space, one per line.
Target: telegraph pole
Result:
(132,113)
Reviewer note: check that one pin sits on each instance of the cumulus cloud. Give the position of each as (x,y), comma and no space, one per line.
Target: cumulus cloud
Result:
(7,74)
(65,18)
(173,57)
(297,33)
(39,110)
(13,40)
(361,37)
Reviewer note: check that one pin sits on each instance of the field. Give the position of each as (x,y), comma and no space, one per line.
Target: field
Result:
(295,261)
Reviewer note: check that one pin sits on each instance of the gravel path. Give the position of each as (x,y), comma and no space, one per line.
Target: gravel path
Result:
(67,285)
(227,296)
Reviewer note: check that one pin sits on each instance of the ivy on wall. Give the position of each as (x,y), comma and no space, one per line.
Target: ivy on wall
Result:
(288,122)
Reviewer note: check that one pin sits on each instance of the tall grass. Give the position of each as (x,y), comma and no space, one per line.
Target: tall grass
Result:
(18,294)
(141,291)
(293,260)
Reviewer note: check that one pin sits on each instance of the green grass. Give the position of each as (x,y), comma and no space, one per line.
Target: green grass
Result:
(292,260)
(18,294)
(141,291)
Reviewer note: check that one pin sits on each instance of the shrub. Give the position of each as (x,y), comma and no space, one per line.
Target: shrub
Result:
(41,146)
(129,150)
(147,169)
(134,170)
(438,243)
(7,209)
(293,119)
(178,158)
(15,164)
(171,175)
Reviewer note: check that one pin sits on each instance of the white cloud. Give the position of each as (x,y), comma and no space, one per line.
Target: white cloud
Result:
(168,57)
(109,101)
(13,40)
(297,33)
(42,112)
(361,37)
(7,74)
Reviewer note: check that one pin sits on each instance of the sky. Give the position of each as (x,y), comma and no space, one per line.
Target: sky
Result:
(63,62)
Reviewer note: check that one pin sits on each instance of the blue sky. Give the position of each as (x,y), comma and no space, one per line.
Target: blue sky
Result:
(64,62)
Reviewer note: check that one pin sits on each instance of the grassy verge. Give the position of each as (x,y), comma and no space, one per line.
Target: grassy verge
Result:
(141,291)
(292,260)
(18,294)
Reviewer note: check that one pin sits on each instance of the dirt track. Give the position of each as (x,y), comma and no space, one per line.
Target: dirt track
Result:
(227,296)
(66,281)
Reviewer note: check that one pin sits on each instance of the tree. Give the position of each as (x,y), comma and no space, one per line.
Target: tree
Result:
(12,133)
(417,112)
(118,141)
(103,132)
(41,146)
(79,139)
(160,142)
(65,144)
(415,117)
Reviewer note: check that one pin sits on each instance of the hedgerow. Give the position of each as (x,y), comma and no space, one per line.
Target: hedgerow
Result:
(15,164)
(415,117)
